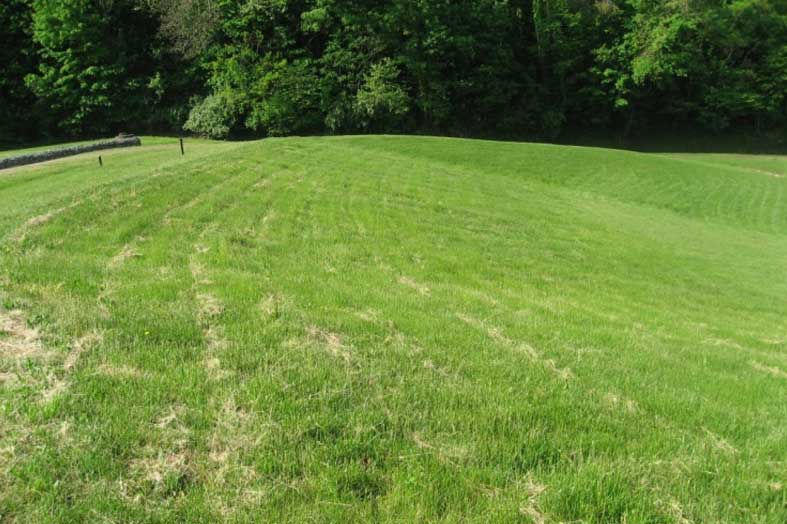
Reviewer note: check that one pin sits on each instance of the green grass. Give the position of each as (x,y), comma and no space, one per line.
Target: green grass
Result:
(390,329)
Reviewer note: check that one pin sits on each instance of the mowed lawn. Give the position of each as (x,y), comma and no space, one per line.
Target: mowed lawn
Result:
(391,329)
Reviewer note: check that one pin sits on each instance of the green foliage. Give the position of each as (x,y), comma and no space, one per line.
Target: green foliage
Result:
(381,99)
(504,68)
(77,79)
(211,117)
(101,68)
(711,63)
(17,60)
(286,100)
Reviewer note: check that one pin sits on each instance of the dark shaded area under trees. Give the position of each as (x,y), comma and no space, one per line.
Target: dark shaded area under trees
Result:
(536,69)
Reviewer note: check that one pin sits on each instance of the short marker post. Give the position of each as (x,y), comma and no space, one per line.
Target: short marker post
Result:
(100,162)
(181,147)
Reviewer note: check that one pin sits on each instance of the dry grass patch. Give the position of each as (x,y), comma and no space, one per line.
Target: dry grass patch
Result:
(209,309)
(167,459)
(771,370)
(445,453)
(329,341)
(81,345)
(212,363)
(120,371)
(162,467)
(368,315)
(269,306)
(55,388)
(723,342)
(40,220)
(8,379)
(126,253)
(57,385)
(18,341)
(199,274)
(720,444)
(676,512)
(497,335)
(232,481)
(209,306)
(618,402)
(530,508)
(421,289)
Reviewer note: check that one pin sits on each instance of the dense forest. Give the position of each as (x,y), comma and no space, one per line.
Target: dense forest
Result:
(500,68)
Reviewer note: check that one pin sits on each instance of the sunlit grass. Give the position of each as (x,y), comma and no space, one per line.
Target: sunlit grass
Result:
(379,329)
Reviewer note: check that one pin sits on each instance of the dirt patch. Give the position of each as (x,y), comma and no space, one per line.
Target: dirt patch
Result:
(213,366)
(400,342)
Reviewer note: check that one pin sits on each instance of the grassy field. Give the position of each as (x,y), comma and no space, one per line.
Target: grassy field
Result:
(390,329)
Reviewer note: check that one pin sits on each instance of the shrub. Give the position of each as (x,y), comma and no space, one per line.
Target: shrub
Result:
(382,99)
(211,117)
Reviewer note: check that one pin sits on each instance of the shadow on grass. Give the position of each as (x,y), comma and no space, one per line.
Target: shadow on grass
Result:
(671,141)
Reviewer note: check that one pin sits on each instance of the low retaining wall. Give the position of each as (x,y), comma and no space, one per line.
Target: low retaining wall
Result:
(51,154)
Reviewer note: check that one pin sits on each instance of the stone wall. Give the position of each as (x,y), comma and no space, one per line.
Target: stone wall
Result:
(51,154)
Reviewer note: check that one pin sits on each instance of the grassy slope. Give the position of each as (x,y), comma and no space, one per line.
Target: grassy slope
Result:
(395,329)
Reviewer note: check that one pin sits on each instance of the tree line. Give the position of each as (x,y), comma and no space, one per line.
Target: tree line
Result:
(498,68)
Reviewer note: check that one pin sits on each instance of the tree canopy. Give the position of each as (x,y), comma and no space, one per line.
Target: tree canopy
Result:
(504,68)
